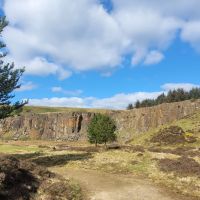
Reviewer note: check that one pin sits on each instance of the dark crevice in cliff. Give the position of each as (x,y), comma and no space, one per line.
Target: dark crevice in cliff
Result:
(80,119)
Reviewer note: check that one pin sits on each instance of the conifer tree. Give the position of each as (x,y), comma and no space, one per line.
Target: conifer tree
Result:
(9,78)
(130,106)
(101,130)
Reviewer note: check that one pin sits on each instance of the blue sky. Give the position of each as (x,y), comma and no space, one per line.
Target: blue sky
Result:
(108,54)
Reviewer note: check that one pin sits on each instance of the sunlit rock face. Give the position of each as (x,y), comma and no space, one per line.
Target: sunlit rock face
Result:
(72,126)
(143,119)
(51,126)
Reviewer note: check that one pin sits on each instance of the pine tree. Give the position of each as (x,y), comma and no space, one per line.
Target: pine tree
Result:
(161,99)
(9,78)
(172,96)
(130,106)
(137,104)
(194,93)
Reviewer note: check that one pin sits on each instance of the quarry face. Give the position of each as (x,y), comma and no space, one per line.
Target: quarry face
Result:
(72,126)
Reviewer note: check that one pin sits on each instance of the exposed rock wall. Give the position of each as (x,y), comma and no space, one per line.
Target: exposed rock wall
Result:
(72,126)
(52,126)
(143,119)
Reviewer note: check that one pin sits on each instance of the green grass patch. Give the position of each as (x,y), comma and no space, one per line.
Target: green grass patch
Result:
(44,109)
(11,149)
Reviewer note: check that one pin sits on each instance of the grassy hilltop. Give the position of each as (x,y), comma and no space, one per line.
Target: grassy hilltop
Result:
(45,109)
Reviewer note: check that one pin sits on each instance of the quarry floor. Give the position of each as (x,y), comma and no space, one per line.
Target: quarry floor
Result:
(128,173)
(97,185)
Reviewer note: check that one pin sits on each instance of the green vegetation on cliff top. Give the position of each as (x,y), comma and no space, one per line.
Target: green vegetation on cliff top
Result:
(45,109)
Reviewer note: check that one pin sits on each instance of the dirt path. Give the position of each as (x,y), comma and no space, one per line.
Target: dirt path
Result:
(104,186)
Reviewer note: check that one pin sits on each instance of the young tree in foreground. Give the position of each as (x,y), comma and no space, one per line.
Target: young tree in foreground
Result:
(101,130)
(9,78)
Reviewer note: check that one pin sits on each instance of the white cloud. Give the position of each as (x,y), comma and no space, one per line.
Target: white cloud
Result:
(173,86)
(66,92)
(96,39)
(26,87)
(58,102)
(41,67)
(119,101)
(191,34)
(55,28)
(56,89)
(153,57)
(138,56)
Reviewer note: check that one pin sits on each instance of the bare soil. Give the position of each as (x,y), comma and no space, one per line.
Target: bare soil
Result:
(105,186)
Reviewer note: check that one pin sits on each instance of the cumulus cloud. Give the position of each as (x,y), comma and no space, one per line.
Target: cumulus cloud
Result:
(59,102)
(27,87)
(56,29)
(41,67)
(191,34)
(82,35)
(173,86)
(66,92)
(118,101)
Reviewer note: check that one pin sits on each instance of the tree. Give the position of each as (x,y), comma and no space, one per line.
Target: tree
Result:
(175,95)
(137,104)
(101,130)
(161,99)
(194,93)
(130,106)
(9,78)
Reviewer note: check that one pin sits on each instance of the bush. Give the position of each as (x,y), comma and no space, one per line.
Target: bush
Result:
(169,135)
(101,130)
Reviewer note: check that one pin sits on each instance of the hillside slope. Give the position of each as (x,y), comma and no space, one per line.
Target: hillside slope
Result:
(190,125)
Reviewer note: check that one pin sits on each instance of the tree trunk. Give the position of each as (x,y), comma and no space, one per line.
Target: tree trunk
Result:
(105,144)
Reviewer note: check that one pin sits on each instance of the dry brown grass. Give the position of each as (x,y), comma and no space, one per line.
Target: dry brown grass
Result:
(123,160)
(182,166)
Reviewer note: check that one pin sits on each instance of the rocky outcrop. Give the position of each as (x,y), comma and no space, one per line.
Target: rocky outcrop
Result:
(143,119)
(51,126)
(72,126)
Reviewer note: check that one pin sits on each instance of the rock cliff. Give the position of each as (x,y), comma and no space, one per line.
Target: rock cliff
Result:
(52,126)
(143,119)
(72,126)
